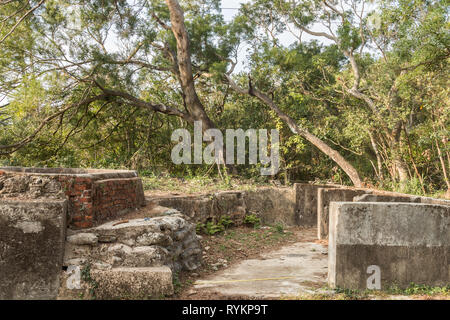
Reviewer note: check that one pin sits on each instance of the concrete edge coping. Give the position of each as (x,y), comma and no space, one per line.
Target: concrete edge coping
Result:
(205,195)
(390,203)
(71,172)
(14,201)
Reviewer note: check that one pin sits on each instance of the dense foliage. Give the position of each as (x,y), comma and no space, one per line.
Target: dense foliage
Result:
(84,83)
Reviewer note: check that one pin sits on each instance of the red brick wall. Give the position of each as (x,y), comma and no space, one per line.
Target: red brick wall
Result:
(93,198)
(111,197)
(93,201)
(79,191)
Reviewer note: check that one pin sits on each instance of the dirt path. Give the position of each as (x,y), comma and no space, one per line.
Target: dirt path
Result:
(293,269)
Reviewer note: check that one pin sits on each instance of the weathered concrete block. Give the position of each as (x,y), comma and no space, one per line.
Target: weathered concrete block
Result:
(272,205)
(399,242)
(83,239)
(327,195)
(385,198)
(306,202)
(32,235)
(197,208)
(133,283)
(429,200)
(231,204)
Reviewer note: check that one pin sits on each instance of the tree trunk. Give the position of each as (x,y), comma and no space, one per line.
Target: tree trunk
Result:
(322,146)
(377,154)
(193,103)
(444,169)
(422,185)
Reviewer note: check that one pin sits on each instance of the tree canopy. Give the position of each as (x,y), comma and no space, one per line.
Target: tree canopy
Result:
(359,95)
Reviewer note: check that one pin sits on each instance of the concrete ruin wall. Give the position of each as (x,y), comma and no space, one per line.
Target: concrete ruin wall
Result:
(37,204)
(400,243)
(324,197)
(32,235)
(306,202)
(94,195)
(272,205)
(303,204)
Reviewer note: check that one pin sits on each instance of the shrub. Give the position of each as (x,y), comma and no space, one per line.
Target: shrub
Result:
(252,220)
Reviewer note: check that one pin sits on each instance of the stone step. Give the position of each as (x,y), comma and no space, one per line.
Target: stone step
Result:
(147,242)
(132,283)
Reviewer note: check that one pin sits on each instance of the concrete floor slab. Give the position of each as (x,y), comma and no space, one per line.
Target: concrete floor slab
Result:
(292,270)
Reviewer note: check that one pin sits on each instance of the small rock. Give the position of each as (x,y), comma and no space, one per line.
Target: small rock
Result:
(214,268)
(170,212)
(75,262)
(150,238)
(194,274)
(120,248)
(83,239)
(191,265)
(191,292)
(107,238)
(101,265)
(116,260)
(207,248)
(129,242)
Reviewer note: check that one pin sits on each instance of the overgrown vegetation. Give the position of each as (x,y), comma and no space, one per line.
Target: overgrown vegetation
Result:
(86,277)
(362,102)
(252,220)
(210,228)
(196,184)
(413,291)
(225,222)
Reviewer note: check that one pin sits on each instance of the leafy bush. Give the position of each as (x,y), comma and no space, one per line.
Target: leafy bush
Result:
(226,221)
(252,220)
(210,228)
(279,228)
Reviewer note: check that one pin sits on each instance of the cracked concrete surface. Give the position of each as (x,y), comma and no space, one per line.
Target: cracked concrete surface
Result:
(295,269)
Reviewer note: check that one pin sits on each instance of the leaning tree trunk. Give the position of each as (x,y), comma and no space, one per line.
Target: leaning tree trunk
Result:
(444,169)
(395,146)
(193,103)
(378,156)
(322,146)
(186,78)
